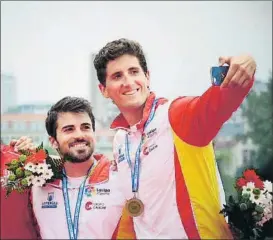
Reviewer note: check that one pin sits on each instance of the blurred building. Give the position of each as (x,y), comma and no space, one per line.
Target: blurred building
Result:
(8,92)
(104,140)
(240,152)
(25,120)
(41,108)
(14,126)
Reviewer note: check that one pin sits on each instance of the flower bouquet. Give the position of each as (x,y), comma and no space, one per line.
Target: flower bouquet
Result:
(250,213)
(29,168)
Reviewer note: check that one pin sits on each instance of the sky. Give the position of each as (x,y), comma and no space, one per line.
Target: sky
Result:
(47,46)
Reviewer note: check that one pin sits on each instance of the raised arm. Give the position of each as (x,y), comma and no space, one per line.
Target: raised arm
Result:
(197,120)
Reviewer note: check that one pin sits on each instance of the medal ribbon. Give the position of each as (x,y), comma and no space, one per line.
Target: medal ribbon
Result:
(73,227)
(135,171)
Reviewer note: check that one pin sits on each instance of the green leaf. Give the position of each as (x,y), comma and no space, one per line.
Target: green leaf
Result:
(22,158)
(256,232)
(8,192)
(259,209)
(25,152)
(41,146)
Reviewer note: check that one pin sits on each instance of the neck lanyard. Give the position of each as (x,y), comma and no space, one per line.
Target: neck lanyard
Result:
(135,171)
(73,227)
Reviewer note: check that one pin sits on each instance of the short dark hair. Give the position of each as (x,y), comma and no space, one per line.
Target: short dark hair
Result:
(115,49)
(67,104)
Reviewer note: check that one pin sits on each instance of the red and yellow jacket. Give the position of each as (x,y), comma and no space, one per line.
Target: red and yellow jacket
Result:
(193,122)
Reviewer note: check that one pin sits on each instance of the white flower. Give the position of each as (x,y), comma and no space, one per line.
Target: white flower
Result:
(47,174)
(250,185)
(4,181)
(268,186)
(268,210)
(30,167)
(269,196)
(268,199)
(41,168)
(29,180)
(268,216)
(38,181)
(248,188)
(257,199)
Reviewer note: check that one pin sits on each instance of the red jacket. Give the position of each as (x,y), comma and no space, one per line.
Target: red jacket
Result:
(17,220)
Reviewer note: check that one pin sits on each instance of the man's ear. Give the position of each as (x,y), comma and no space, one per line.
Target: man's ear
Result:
(53,142)
(103,90)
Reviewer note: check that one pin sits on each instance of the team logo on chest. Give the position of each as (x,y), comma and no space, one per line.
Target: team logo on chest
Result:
(90,191)
(121,155)
(148,135)
(148,146)
(88,205)
(94,205)
(93,191)
(151,133)
(147,149)
(50,203)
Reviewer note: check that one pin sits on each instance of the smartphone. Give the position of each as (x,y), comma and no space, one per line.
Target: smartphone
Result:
(218,74)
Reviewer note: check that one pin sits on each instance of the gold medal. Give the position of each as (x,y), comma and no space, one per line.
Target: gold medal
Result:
(134,207)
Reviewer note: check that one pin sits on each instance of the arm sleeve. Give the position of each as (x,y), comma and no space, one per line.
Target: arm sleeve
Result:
(197,120)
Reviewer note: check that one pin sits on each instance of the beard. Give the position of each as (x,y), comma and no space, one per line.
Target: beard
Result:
(77,156)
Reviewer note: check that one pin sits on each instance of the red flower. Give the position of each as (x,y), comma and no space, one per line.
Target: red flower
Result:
(37,157)
(259,184)
(251,176)
(241,182)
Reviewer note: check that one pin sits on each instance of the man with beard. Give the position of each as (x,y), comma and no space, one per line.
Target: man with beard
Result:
(79,205)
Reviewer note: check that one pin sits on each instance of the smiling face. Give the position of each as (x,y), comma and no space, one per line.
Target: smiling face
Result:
(74,136)
(126,83)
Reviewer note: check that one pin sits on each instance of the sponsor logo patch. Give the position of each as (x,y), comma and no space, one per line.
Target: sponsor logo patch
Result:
(50,203)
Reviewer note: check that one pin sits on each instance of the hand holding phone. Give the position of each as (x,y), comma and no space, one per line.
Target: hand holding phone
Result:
(218,74)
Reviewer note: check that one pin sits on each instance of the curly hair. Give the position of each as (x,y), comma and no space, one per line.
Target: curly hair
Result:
(115,49)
